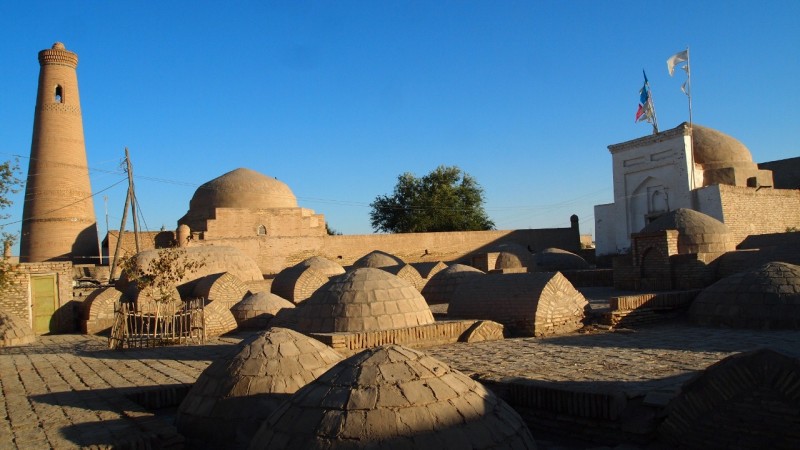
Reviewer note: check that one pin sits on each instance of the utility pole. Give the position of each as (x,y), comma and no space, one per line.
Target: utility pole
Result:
(130,199)
(133,199)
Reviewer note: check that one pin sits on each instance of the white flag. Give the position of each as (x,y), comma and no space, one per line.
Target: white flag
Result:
(676,59)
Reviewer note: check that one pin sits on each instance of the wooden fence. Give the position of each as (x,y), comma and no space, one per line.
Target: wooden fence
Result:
(158,325)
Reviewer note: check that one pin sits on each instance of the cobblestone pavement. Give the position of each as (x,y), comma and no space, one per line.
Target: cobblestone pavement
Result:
(69,391)
(655,359)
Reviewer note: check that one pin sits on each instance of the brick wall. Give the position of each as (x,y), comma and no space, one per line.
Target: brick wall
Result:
(16,299)
(749,211)
(273,254)
(148,240)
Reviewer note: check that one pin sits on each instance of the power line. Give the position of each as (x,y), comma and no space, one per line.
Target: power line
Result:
(65,206)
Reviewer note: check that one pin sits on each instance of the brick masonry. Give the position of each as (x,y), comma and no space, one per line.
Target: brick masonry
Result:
(16,299)
(748,211)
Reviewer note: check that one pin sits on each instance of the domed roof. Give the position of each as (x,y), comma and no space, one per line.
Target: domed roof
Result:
(767,298)
(242,188)
(364,299)
(715,408)
(256,310)
(218,319)
(236,393)
(440,288)
(323,265)
(712,147)
(554,259)
(393,397)
(697,232)
(14,331)
(214,259)
(687,222)
(378,258)
(527,304)
(511,256)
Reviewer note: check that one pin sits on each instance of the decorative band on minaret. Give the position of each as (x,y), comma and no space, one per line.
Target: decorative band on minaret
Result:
(58,220)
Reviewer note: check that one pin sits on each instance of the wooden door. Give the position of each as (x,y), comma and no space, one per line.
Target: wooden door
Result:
(44,298)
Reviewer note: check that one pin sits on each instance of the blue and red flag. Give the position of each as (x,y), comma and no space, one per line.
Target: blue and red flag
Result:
(645,111)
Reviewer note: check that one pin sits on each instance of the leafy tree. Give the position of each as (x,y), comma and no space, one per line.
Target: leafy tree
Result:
(161,273)
(447,199)
(9,184)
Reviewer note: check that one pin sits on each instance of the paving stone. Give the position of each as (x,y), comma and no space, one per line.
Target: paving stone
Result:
(61,379)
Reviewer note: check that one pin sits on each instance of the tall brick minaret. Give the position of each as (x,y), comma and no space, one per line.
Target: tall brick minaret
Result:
(58,221)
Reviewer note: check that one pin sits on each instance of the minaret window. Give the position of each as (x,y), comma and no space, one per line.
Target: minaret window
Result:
(262,230)
(59,95)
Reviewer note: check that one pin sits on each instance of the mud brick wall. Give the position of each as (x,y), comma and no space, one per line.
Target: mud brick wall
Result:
(748,211)
(16,298)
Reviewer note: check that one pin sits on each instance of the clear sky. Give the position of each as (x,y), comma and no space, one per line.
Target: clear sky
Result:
(338,98)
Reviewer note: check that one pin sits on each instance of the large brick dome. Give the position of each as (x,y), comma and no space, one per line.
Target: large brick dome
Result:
(236,393)
(715,149)
(364,299)
(393,397)
(240,188)
(765,298)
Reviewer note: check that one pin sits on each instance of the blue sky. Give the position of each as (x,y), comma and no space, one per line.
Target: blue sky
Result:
(337,99)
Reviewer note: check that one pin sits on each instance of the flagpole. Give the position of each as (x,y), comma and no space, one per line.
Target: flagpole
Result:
(652,107)
(691,129)
(689,83)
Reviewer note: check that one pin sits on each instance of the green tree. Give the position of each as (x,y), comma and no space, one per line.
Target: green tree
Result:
(9,184)
(447,199)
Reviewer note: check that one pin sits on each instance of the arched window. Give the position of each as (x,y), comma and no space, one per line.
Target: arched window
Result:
(59,94)
(262,230)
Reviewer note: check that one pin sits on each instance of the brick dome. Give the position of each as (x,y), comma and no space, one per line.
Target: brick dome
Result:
(218,319)
(215,259)
(378,259)
(240,188)
(555,259)
(698,232)
(321,264)
(528,304)
(512,256)
(364,299)
(298,282)
(747,400)
(440,288)
(234,394)
(765,298)
(715,149)
(393,397)
(257,310)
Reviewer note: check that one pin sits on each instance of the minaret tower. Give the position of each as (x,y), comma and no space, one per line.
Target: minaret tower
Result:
(58,221)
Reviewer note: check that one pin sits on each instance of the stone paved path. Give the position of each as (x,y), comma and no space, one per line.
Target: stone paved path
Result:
(69,391)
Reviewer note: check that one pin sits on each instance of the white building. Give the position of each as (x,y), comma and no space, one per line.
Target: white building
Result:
(660,173)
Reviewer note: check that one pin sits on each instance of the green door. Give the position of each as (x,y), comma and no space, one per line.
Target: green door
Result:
(44,298)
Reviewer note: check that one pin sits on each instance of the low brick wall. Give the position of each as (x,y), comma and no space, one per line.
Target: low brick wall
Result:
(642,309)
(438,333)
